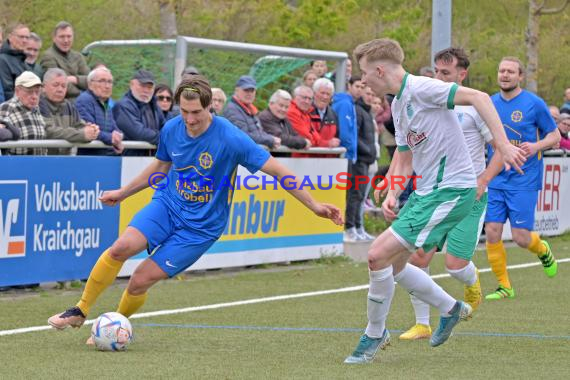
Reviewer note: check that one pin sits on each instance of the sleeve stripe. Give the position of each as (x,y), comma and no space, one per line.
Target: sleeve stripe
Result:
(451,96)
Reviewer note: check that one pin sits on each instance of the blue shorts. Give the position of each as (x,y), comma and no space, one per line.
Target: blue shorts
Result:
(172,246)
(516,205)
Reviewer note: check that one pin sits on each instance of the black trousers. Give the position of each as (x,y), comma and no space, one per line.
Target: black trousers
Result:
(356,194)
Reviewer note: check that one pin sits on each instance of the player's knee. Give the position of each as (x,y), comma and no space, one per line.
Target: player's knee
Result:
(420,260)
(121,250)
(377,263)
(140,283)
(137,286)
(493,234)
(521,239)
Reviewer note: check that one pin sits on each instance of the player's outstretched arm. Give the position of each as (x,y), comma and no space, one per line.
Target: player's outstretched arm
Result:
(512,156)
(140,182)
(274,168)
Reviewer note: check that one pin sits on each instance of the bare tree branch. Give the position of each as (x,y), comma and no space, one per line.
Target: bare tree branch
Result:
(550,11)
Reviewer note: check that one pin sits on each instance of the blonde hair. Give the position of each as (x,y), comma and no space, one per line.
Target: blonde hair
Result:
(219,91)
(382,49)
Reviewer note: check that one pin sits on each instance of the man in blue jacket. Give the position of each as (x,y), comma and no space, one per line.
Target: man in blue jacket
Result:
(93,107)
(137,113)
(343,106)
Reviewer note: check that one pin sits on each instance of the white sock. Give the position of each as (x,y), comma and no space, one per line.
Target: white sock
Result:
(421,309)
(420,284)
(466,275)
(380,294)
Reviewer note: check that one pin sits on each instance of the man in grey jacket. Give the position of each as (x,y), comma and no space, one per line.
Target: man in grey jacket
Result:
(242,113)
(60,114)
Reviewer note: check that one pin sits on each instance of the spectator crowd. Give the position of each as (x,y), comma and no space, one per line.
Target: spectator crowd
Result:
(58,96)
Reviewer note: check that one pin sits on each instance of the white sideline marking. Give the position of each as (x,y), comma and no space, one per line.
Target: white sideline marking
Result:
(258,300)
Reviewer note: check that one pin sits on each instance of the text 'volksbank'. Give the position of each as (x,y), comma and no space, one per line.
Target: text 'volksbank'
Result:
(64,236)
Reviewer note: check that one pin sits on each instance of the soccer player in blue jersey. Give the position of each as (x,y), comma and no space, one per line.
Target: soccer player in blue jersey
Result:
(528,124)
(185,218)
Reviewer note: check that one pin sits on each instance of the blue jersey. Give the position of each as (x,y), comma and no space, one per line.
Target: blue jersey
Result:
(200,181)
(526,119)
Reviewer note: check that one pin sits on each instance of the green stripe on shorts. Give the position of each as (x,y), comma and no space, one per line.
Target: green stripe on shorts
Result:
(426,220)
(463,238)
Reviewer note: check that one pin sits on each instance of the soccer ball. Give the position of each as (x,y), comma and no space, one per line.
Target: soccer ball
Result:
(112,332)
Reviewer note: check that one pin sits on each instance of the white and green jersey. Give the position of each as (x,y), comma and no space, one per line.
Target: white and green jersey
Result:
(476,133)
(425,123)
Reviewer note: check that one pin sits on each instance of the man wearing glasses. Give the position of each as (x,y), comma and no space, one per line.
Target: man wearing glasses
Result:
(22,113)
(93,106)
(12,58)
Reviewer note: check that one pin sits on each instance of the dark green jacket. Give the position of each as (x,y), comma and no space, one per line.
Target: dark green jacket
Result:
(73,63)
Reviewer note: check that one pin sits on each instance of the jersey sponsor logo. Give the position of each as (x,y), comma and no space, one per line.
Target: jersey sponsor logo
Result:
(517,116)
(13,211)
(194,186)
(415,139)
(206,160)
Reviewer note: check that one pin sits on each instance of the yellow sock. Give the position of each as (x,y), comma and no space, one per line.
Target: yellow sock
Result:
(536,245)
(130,304)
(102,275)
(497,256)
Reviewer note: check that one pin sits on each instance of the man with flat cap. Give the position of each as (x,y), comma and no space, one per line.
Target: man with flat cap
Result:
(21,114)
(137,115)
(243,114)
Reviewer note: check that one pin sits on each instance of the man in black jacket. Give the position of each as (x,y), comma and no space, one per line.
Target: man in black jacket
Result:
(137,114)
(366,155)
(13,58)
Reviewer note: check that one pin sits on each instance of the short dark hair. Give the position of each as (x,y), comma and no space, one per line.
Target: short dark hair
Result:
(194,87)
(447,55)
(164,87)
(354,78)
(60,26)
